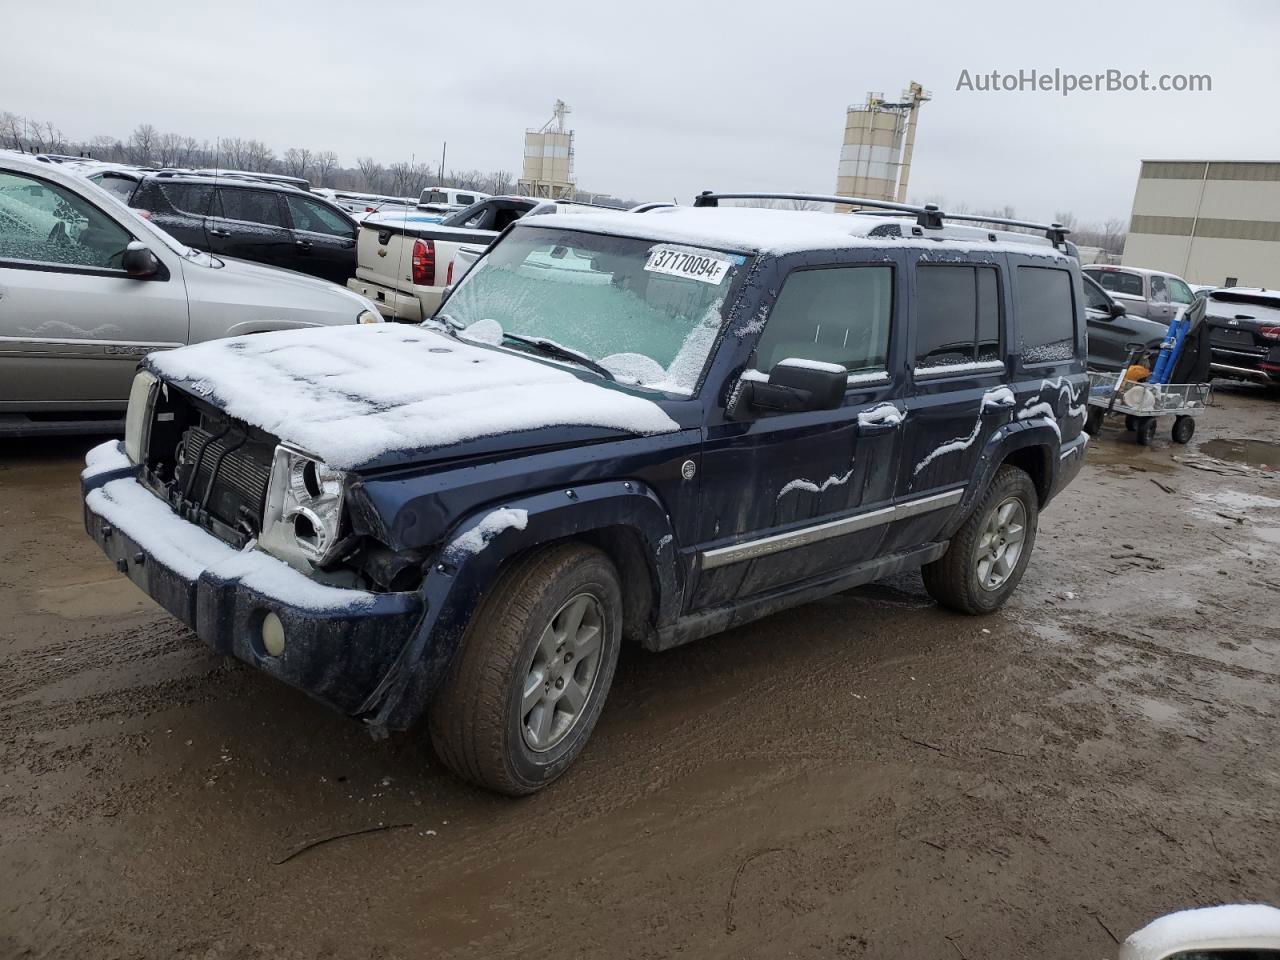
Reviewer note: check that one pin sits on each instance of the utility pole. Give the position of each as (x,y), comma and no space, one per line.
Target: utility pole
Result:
(443,152)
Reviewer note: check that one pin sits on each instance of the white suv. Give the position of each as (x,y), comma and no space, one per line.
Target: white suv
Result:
(88,287)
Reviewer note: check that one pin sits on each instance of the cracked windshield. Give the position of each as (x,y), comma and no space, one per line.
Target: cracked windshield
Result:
(647,312)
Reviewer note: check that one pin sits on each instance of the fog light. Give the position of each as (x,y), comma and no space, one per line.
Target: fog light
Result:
(272,635)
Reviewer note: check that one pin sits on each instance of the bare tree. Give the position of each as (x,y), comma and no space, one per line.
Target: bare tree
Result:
(297,160)
(231,154)
(11,127)
(500,181)
(259,157)
(142,144)
(326,161)
(1066,218)
(371,172)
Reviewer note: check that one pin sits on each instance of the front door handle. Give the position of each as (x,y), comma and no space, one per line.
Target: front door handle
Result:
(302,244)
(215,232)
(881,418)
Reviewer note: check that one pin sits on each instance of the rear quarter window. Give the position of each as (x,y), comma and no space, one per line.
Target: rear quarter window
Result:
(1045,315)
(1117,281)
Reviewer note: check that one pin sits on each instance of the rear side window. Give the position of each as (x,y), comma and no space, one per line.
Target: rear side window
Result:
(1117,281)
(254,206)
(1046,315)
(957,317)
(192,198)
(837,315)
(466,199)
(1159,292)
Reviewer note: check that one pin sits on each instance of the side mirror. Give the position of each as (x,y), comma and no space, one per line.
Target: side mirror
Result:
(139,262)
(793,386)
(1117,310)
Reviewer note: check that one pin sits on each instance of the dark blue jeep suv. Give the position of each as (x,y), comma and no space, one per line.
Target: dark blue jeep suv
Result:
(616,429)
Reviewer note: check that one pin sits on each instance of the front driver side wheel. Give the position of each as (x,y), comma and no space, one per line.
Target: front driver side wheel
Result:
(528,684)
(989,553)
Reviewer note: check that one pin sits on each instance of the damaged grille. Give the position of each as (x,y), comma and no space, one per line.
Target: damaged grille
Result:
(212,470)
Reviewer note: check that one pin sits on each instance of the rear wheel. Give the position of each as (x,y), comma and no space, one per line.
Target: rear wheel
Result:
(1145,431)
(989,553)
(529,682)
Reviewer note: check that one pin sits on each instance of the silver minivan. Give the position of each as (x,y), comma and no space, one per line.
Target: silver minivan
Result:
(88,287)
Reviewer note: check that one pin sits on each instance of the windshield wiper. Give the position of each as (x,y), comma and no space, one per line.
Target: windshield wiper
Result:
(451,326)
(553,349)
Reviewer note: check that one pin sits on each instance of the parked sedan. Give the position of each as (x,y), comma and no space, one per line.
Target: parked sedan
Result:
(1244,333)
(1113,330)
(1144,293)
(88,287)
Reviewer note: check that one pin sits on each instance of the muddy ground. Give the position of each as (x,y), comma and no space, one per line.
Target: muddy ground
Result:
(865,776)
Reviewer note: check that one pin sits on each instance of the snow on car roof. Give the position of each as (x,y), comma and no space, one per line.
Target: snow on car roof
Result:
(352,394)
(778,231)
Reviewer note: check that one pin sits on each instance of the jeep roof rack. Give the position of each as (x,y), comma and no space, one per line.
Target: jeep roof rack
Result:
(928,217)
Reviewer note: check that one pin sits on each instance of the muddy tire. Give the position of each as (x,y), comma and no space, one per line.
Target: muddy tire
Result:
(530,679)
(989,553)
(1145,431)
(1093,422)
(1184,429)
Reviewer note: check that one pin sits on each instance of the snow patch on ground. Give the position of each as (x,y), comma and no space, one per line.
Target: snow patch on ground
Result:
(478,537)
(189,551)
(351,394)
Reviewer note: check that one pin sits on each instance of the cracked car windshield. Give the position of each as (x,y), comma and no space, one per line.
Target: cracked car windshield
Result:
(648,312)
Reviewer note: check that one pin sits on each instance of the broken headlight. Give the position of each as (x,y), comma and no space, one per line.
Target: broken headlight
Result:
(137,421)
(304,509)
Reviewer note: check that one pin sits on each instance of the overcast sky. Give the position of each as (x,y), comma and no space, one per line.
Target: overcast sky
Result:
(668,98)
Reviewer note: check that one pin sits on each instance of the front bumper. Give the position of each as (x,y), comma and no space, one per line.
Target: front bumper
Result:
(339,643)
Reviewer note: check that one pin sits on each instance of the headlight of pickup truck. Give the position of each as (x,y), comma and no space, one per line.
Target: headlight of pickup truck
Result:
(368,316)
(137,421)
(304,509)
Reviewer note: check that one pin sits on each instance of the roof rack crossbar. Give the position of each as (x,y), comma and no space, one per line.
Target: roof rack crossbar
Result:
(928,216)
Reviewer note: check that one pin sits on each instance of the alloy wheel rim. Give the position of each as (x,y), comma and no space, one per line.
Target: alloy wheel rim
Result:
(1000,545)
(563,673)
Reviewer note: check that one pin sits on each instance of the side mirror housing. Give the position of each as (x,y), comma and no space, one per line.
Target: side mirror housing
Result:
(794,385)
(1117,310)
(139,262)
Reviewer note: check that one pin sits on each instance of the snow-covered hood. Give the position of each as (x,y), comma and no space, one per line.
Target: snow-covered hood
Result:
(352,395)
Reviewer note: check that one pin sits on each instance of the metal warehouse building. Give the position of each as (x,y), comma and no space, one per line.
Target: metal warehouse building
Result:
(1208,221)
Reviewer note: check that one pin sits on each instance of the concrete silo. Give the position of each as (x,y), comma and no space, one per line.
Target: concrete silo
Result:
(548,159)
(879,136)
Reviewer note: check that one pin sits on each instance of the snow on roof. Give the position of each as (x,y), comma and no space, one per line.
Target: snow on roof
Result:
(773,231)
(352,394)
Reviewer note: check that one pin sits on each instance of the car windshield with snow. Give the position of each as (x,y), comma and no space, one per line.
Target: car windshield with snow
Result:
(616,429)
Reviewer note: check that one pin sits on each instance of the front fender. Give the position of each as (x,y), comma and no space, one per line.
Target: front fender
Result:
(476,550)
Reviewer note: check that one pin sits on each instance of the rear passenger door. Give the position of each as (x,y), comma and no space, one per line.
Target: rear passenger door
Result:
(324,241)
(959,365)
(250,224)
(791,496)
(180,208)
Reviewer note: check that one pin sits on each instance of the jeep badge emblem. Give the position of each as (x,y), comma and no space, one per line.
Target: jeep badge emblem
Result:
(688,469)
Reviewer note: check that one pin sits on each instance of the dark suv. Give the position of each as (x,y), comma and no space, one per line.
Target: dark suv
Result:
(616,429)
(253,220)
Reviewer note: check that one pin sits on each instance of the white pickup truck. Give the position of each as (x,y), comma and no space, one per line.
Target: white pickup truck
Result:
(403,266)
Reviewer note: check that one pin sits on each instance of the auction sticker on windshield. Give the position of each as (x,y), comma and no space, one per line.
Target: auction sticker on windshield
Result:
(706,267)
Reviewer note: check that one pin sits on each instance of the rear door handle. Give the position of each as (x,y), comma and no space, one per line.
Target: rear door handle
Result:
(214,231)
(303,244)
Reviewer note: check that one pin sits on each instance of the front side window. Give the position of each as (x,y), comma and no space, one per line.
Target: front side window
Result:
(41,222)
(836,315)
(648,312)
(1117,281)
(957,316)
(1179,292)
(252,206)
(1094,298)
(317,218)
(1046,315)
